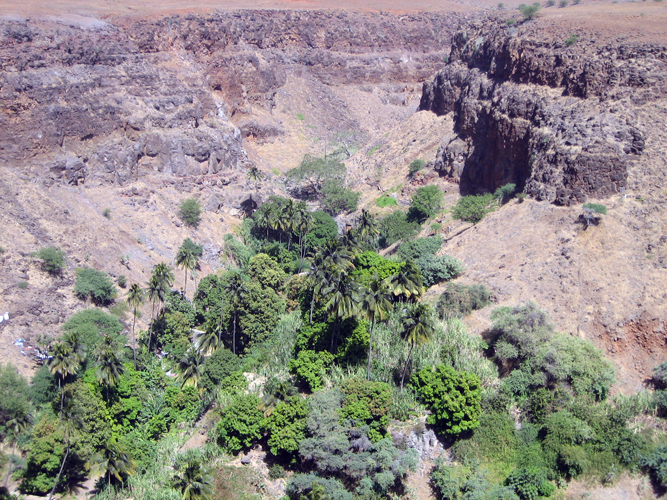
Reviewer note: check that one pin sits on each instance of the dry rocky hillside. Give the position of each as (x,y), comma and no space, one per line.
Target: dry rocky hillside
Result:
(135,113)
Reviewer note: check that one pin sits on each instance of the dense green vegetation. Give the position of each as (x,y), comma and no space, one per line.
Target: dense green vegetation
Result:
(311,345)
(53,259)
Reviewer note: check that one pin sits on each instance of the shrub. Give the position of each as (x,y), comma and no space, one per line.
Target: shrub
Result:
(22,285)
(287,427)
(189,211)
(435,269)
(460,300)
(122,281)
(337,198)
(501,6)
(530,483)
(521,197)
(454,398)
(53,260)
(240,424)
(596,207)
(324,229)
(106,213)
(472,208)
(425,203)
(276,471)
(416,166)
(571,40)
(367,403)
(370,264)
(90,325)
(309,367)
(551,3)
(562,3)
(414,249)
(217,367)
(529,11)
(311,175)
(396,226)
(94,285)
(386,201)
(504,193)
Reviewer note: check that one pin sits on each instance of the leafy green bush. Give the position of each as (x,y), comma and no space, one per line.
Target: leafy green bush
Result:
(189,211)
(240,424)
(571,40)
(456,482)
(656,464)
(460,300)
(596,207)
(367,403)
(106,213)
(217,367)
(337,198)
(425,203)
(530,483)
(122,281)
(415,166)
(386,201)
(454,398)
(13,396)
(416,248)
(370,264)
(286,427)
(22,285)
(473,208)
(90,325)
(324,229)
(396,226)
(276,471)
(529,11)
(504,193)
(435,269)
(309,367)
(314,172)
(94,285)
(53,260)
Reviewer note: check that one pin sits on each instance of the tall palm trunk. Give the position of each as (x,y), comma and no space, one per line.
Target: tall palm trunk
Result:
(234,334)
(11,459)
(134,340)
(220,327)
(370,350)
(150,329)
(312,305)
(407,361)
(62,397)
(185,286)
(62,465)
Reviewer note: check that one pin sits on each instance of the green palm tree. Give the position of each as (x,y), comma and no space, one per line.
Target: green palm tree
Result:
(190,368)
(186,260)
(193,482)
(286,220)
(373,305)
(406,284)
(109,363)
(65,361)
(235,290)
(367,226)
(418,327)
(206,342)
(113,461)
(162,279)
(71,422)
(255,175)
(342,292)
(135,299)
(17,426)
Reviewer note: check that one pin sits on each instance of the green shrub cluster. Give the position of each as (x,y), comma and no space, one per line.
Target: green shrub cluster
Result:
(94,285)
(53,260)
(189,211)
(460,300)
(473,208)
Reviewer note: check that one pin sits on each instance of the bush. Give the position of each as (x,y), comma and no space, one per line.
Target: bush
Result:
(122,281)
(337,198)
(454,398)
(461,300)
(369,264)
(286,427)
(240,424)
(217,367)
(367,403)
(504,193)
(562,3)
(529,11)
(90,325)
(596,207)
(571,40)
(189,211)
(414,249)
(94,285)
(435,269)
(396,226)
(53,260)
(22,285)
(276,471)
(473,208)
(106,213)
(416,166)
(309,367)
(324,229)
(530,483)
(425,203)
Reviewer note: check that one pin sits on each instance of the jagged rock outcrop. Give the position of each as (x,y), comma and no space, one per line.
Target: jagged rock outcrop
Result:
(554,118)
(110,101)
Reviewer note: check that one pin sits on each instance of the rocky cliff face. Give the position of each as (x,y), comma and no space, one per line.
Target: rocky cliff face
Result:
(555,118)
(109,102)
